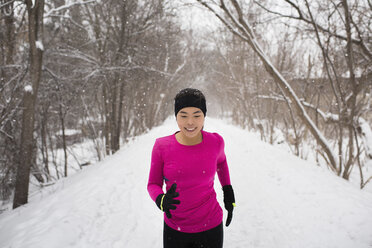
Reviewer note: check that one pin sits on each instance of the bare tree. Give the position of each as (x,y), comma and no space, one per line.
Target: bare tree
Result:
(10,75)
(341,31)
(35,10)
(237,24)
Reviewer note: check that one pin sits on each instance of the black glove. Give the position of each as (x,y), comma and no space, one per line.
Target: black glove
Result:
(165,201)
(229,200)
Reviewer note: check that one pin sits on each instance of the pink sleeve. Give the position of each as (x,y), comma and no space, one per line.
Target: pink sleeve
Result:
(222,167)
(155,183)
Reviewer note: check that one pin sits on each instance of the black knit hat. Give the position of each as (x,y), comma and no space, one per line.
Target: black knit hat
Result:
(190,97)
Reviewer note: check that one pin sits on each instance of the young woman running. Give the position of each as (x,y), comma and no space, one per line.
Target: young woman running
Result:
(187,162)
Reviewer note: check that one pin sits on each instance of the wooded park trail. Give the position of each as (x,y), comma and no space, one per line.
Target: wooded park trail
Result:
(282,201)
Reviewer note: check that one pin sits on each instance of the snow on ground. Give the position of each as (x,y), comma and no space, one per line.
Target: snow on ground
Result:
(282,201)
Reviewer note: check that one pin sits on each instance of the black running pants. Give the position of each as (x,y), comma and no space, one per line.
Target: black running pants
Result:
(212,238)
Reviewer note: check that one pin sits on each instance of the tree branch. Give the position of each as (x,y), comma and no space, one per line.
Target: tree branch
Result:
(67,6)
(302,17)
(228,25)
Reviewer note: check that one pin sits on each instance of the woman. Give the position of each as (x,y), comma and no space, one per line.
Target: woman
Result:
(187,162)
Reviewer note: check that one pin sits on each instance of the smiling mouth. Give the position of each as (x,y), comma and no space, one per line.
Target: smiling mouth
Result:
(190,130)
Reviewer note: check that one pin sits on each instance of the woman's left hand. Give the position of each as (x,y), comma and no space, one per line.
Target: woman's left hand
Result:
(229,200)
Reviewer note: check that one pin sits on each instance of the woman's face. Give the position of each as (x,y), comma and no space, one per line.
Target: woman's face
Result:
(190,120)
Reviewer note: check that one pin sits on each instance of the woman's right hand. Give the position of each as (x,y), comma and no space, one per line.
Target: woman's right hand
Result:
(166,202)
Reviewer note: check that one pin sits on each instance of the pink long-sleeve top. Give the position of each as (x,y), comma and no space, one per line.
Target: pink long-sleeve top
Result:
(193,169)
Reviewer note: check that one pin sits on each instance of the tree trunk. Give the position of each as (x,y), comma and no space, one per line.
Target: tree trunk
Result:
(9,31)
(25,156)
(113,109)
(107,119)
(351,102)
(44,143)
(62,119)
(120,113)
(35,10)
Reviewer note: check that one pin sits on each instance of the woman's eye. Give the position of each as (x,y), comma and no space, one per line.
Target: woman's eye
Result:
(197,116)
(183,116)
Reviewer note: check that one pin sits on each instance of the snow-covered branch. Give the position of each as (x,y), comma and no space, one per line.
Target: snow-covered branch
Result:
(227,24)
(6,3)
(6,134)
(365,132)
(77,55)
(179,68)
(67,6)
(99,69)
(327,117)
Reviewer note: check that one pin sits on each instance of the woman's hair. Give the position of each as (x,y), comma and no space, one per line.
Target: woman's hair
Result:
(190,97)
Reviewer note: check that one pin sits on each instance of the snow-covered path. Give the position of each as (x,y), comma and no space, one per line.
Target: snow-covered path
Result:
(282,201)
